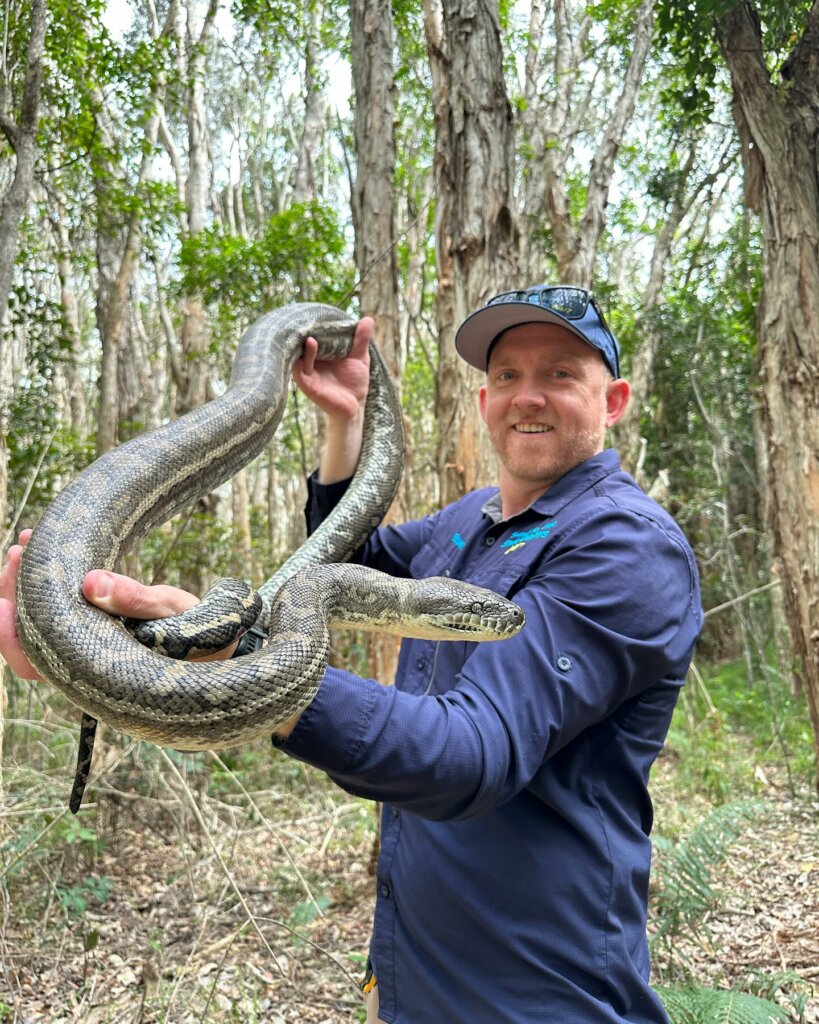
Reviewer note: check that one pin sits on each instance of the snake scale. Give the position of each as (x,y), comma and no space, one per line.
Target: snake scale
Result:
(101,515)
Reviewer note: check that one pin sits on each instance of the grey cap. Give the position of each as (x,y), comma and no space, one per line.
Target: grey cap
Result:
(538,304)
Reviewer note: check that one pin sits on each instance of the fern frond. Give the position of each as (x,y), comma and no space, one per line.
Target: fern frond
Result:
(686,870)
(715,1006)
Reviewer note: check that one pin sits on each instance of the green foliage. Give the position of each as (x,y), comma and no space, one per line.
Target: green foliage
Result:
(305,912)
(41,446)
(727,731)
(300,250)
(75,899)
(713,1006)
(688,33)
(700,423)
(687,870)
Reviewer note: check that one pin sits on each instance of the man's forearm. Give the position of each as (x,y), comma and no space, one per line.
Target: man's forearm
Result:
(342,449)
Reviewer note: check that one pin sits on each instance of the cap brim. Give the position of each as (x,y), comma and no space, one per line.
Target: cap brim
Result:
(482,327)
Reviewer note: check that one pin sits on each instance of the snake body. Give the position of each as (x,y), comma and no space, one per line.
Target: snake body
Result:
(109,507)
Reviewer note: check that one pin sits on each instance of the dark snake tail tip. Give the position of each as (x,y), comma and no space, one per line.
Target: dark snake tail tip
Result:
(85,752)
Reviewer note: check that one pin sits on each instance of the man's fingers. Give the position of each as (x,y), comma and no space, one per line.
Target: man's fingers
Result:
(362,337)
(309,353)
(122,595)
(10,643)
(8,575)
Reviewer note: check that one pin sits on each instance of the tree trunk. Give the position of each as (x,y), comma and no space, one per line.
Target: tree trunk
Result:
(641,374)
(374,192)
(309,148)
(778,130)
(192,385)
(476,232)
(23,139)
(242,549)
(371,38)
(22,136)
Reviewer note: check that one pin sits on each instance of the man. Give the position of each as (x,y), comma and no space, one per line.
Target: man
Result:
(513,878)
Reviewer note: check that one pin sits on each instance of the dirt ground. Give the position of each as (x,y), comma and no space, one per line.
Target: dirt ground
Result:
(257,909)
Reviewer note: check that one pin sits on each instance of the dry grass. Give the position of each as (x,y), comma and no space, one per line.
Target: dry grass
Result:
(189,891)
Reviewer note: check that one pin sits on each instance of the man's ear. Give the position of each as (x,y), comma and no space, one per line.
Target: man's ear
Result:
(617,396)
(482,401)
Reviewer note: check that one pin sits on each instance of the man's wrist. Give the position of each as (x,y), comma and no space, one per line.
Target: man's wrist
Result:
(342,448)
(253,640)
(282,733)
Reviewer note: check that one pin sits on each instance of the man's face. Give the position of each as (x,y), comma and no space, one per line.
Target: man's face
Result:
(547,402)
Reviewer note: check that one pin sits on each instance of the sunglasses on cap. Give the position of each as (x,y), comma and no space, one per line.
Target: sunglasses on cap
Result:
(567,300)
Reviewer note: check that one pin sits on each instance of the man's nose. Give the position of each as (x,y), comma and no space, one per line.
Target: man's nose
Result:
(529,394)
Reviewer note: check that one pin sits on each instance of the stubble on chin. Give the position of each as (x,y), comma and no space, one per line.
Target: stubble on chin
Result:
(546,467)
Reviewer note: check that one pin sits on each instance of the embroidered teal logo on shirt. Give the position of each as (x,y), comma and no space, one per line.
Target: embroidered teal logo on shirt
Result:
(458,541)
(520,537)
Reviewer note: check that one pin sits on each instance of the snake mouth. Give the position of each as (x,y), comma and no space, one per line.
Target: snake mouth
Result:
(488,628)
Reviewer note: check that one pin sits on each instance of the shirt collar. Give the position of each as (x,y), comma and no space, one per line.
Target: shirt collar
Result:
(565,490)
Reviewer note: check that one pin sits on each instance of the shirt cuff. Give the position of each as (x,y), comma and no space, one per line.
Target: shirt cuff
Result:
(330,732)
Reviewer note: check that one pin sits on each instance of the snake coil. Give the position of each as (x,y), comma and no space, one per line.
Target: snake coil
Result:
(111,505)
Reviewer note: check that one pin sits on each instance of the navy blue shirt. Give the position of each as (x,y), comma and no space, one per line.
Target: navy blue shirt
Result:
(513,878)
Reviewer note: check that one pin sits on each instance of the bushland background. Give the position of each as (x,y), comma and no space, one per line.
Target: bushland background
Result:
(173,168)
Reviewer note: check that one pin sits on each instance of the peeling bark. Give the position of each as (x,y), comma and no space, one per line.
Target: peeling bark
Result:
(476,226)
(779,128)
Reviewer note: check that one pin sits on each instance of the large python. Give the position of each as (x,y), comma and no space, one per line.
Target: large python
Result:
(109,507)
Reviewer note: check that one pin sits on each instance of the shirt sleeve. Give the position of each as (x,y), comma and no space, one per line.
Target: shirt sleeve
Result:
(613,612)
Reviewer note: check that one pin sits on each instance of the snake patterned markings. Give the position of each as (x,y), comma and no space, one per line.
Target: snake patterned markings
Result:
(226,611)
(112,504)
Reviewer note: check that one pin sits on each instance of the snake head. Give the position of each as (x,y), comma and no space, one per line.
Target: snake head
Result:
(449,609)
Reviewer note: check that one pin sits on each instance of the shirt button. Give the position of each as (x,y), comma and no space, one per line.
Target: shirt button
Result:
(564,663)
(420,664)
(489,541)
(385,890)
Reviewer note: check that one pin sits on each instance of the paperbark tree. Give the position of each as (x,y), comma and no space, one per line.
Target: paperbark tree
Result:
(550,128)
(373,199)
(21,134)
(373,207)
(120,224)
(476,231)
(191,372)
(310,138)
(778,126)
(689,189)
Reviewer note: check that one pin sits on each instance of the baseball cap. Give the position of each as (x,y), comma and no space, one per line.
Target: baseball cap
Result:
(566,306)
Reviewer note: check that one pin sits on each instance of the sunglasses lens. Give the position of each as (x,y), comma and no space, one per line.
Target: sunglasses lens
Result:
(569,302)
(509,297)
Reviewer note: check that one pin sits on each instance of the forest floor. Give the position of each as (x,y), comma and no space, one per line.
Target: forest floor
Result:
(143,912)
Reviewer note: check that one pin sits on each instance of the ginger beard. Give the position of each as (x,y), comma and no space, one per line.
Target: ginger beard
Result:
(543,458)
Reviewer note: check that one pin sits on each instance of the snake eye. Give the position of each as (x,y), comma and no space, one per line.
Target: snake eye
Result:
(477,607)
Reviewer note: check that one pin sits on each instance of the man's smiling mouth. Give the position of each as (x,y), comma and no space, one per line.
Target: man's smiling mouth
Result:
(531,428)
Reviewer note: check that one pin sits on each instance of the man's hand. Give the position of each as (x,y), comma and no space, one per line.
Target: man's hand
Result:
(110,591)
(10,646)
(337,386)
